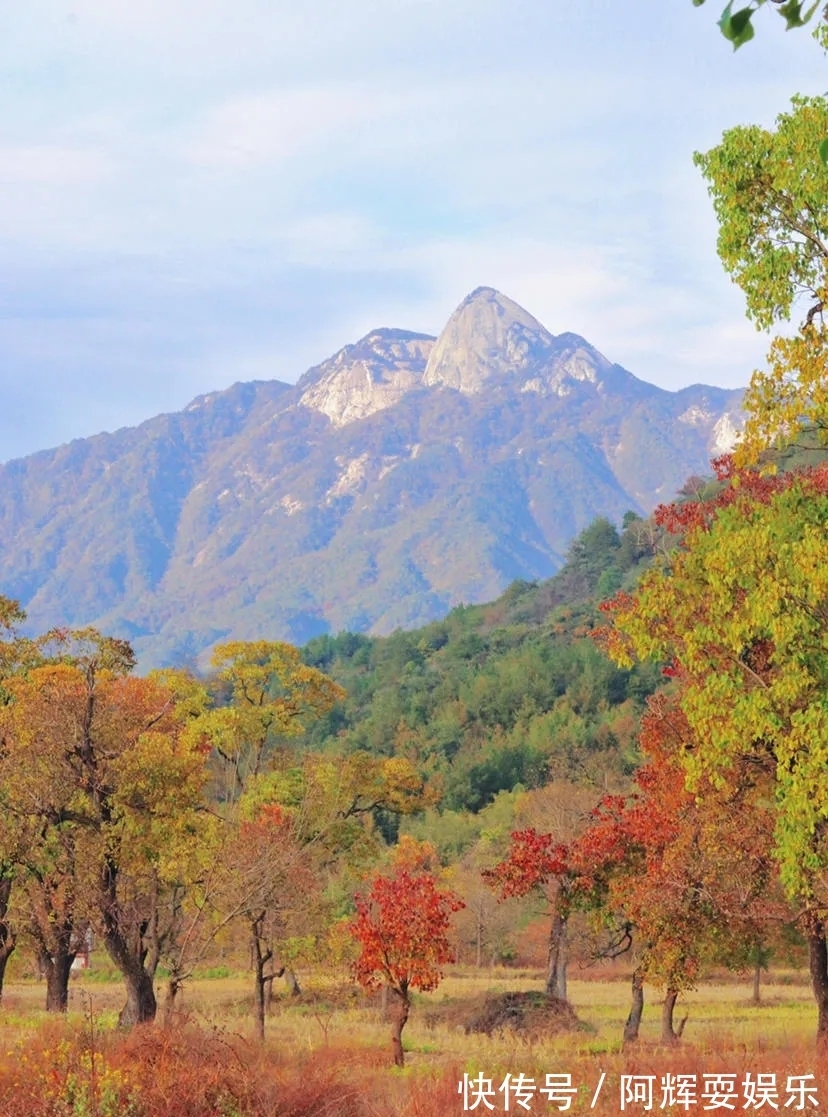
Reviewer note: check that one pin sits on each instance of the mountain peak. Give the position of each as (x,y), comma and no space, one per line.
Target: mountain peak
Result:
(490,296)
(374,373)
(486,337)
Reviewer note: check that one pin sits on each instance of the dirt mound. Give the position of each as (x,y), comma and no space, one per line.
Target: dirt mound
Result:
(517,1012)
(522,1012)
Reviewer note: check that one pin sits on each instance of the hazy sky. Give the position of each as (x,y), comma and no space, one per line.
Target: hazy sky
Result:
(194,192)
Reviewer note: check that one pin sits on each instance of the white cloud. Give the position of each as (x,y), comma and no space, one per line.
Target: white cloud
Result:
(259,130)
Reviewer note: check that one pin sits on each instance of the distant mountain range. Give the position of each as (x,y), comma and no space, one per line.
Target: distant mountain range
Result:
(402,476)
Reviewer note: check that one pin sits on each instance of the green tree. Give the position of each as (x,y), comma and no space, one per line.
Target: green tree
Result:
(771,200)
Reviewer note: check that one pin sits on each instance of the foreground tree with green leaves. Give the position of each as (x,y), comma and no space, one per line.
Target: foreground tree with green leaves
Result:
(771,199)
(740,609)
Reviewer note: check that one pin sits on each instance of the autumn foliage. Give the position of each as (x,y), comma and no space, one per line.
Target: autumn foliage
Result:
(738,615)
(533,861)
(402,927)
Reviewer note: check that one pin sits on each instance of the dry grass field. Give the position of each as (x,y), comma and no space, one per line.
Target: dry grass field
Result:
(327,1052)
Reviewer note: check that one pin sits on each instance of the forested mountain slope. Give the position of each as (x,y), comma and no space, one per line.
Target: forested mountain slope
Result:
(510,693)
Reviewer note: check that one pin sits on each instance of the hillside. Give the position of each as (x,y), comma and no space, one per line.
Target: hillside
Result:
(510,693)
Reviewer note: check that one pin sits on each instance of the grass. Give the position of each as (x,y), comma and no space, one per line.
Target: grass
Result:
(327,1052)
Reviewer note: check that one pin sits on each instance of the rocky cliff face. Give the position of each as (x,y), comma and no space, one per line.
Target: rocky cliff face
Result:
(488,337)
(398,478)
(367,377)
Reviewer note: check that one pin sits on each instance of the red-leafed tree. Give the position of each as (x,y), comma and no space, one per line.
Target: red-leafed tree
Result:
(402,928)
(691,874)
(537,862)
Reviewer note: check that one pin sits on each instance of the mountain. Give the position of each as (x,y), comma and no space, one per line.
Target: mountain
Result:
(402,476)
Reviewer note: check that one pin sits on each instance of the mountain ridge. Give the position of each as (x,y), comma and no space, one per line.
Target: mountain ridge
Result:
(361,497)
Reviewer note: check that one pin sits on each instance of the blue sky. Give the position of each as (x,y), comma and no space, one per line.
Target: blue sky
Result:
(194,192)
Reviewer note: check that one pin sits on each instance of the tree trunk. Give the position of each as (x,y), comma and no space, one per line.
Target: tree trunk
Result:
(292,982)
(261,958)
(400,1020)
(124,942)
(633,1023)
(56,938)
(668,1032)
(141,1005)
(173,989)
(8,939)
(57,967)
(560,976)
(818,959)
(260,1008)
(6,951)
(556,959)
(756,998)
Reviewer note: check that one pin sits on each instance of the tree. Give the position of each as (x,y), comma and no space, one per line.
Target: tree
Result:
(8,936)
(771,201)
(740,613)
(105,772)
(52,894)
(272,880)
(327,806)
(401,927)
(737,26)
(538,859)
(689,875)
(299,822)
(264,693)
(257,869)
(42,815)
(11,615)
(485,926)
(537,862)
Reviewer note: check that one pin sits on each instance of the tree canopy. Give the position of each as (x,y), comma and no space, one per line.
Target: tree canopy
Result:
(771,199)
